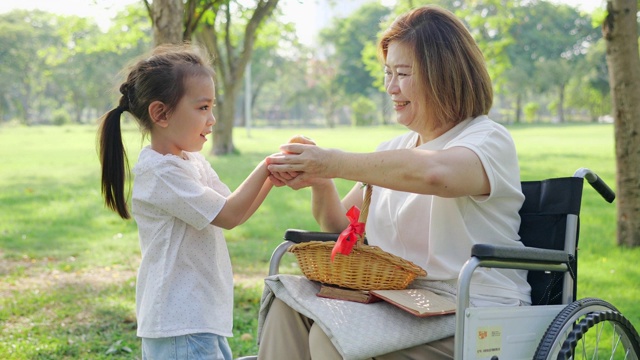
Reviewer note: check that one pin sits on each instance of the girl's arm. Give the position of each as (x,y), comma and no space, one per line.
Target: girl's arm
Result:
(264,191)
(244,201)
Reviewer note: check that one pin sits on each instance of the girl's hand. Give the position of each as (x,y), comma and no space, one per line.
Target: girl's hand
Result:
(277,179)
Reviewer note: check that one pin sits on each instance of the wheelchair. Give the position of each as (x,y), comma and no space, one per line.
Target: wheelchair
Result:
(556,326)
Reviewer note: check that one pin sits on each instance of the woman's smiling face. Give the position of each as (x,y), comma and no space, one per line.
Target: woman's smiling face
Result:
(400,84)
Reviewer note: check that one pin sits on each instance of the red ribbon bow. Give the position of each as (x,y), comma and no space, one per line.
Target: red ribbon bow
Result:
(349,236)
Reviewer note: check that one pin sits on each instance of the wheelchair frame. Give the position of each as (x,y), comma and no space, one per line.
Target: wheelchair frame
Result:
(559,338)
(551,331)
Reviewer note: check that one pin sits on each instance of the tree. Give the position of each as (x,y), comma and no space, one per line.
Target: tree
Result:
(228,30)
(347,38)
(75,71)
(23,75)
(589,89)
(352,69)
(278,66)
(14,59)
(231,45)
(56,66)
(166,17)
(548,41)
(491,24)
(620,30)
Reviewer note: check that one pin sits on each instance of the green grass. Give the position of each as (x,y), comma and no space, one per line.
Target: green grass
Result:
(67,265)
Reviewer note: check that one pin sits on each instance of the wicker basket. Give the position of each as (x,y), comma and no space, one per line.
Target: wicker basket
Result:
(366,268)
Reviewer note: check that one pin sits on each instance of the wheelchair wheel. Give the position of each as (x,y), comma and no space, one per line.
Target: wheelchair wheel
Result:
(589,329)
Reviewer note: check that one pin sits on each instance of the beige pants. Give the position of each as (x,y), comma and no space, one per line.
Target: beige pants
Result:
(286,334)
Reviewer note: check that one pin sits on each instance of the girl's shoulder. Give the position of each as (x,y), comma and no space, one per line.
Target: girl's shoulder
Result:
(150,160)
(196,156)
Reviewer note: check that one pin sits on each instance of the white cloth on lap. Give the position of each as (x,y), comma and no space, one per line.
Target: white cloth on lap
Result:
(358,331)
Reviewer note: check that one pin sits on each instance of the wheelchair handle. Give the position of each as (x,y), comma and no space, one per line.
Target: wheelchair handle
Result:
(300,236)
(597,183)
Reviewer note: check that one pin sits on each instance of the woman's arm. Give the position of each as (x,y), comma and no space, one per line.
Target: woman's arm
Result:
(447,173)
(327,208)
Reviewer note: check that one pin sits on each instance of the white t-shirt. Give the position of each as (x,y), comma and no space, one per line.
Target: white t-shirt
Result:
(185,281)
(437,233)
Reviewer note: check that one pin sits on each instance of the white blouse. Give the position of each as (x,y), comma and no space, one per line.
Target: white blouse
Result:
(185,281)
(437,233)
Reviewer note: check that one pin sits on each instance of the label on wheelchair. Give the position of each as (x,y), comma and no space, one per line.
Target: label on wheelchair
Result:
(489,341)
(511,333)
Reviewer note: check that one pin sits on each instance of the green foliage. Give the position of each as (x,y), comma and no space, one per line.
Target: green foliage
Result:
(61,117)
(530,111)
(349,37)
(52,61)
(277,58)
(363,111)
(490,23)
(553,106)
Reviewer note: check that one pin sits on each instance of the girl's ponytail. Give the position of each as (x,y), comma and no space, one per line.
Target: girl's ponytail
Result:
(113,157)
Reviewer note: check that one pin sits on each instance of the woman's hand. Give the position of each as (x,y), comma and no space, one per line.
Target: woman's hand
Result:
(279,179)
(301,165)
(281,176)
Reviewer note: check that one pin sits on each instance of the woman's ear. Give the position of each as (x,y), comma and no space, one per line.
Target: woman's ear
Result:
(158,113)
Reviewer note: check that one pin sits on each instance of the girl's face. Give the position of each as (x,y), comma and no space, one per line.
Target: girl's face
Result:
(191,121)
(399,82)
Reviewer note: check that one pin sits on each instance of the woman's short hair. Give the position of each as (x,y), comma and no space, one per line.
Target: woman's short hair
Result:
(448,64)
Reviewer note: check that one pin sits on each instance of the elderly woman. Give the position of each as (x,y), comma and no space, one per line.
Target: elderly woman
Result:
(450,182)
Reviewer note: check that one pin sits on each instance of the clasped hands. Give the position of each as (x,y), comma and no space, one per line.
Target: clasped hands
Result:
(294,165)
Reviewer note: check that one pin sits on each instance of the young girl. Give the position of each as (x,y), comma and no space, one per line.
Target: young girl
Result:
(184,294)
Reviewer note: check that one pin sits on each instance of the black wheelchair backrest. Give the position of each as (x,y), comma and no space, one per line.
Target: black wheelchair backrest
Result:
(544,225)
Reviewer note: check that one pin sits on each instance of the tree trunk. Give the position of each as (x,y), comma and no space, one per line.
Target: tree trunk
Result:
(167,21)
(561,103)
(518,108)
(230,61)
(175,20)
(620,32)
(223,129)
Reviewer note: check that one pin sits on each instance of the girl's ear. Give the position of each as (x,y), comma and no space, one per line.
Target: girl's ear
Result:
(158,113)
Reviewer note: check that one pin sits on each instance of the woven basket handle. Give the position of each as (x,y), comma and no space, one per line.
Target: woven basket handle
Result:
(364,212)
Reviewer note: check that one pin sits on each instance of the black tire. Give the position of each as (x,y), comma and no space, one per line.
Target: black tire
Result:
(568,333)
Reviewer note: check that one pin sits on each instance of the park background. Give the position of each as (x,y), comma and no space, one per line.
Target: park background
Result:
(67,265)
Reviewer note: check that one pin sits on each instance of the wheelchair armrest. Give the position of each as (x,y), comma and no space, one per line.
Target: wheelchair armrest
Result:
(506,257)
(296,236)
(525,254)
(300,236)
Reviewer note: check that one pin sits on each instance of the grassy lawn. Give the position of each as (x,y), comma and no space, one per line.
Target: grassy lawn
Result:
(67,265)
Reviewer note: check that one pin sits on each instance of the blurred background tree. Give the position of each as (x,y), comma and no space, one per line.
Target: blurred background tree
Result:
(620,30)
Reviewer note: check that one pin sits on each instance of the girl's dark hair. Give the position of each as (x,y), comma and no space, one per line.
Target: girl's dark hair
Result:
(158,77)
